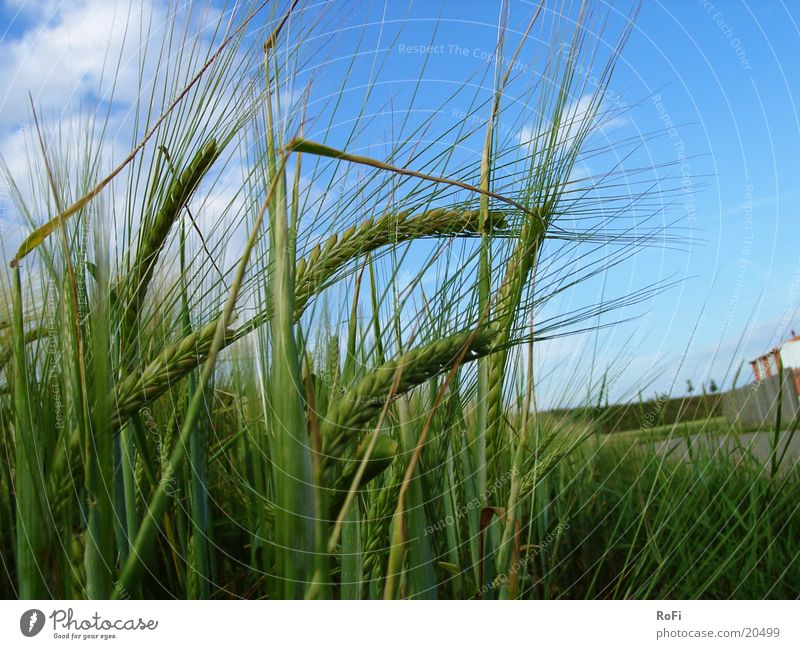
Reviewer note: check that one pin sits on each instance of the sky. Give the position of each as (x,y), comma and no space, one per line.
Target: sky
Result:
(715,82)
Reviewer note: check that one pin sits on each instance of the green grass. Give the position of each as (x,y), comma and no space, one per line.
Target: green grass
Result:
(336,397)
(641,526)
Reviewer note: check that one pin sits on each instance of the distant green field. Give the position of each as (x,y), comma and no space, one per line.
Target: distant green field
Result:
(651,414)
(710,426)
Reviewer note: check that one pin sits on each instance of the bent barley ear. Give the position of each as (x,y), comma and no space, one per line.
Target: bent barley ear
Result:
(381,458)
(360,405)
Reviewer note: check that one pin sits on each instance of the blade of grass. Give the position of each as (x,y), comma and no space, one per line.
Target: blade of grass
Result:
(31,531)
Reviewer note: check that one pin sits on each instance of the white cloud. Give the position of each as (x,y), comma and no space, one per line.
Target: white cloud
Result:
(80,50)
(69,59)
(78,59)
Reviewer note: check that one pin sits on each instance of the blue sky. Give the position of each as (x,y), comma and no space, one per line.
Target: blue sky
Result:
(720,73)
(725,72)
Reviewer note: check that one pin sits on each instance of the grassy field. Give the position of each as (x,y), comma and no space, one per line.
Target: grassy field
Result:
(642,526)
(305,396)
(710,426)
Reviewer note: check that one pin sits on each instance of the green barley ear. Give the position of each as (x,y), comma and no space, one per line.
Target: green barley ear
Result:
(175,362)
(348,415)
(381,458)
(545,447)
(323,262)
(180,191)
(507,302)
(377,526)
(29,336)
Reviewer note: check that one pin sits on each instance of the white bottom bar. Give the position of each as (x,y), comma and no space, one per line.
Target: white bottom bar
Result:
(401,624)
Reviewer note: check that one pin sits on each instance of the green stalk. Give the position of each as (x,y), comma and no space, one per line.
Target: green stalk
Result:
(491,372)
(199,576)
(349,369)
(31,531)
(99,557)
(380,357)
(120,514)
(504,563)
(128,459)
(294,494)
(481,438)
(421,571)
(352,555)
(506,551)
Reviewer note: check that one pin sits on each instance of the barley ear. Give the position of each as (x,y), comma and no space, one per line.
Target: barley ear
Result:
(180,191)
(360,405)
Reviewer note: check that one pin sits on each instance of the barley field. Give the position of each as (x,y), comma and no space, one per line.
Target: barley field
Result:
(260,354)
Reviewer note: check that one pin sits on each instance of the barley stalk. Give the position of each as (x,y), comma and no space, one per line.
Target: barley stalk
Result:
(31,529)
